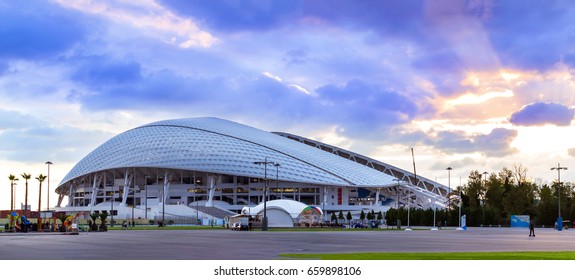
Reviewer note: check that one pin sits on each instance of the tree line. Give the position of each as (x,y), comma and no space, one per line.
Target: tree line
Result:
(489,199)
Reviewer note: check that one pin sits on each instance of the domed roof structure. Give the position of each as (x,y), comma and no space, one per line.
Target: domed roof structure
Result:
(286,213)
(291,207)
(224,147)
(183,161)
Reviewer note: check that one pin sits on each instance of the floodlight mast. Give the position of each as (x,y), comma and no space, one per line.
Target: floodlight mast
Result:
(448,192)
(265,163)
(559,218)
(48,191)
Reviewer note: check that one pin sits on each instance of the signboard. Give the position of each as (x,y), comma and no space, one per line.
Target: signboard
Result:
(520,221)
(46,214)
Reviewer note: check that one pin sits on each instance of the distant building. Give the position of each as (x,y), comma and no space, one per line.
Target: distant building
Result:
(209,167)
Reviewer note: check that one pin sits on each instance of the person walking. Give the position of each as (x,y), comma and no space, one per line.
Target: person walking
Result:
(531,229)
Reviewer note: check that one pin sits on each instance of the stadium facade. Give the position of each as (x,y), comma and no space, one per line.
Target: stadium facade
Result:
(210,167)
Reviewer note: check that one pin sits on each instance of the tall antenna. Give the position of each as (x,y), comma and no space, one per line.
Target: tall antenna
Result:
(414,172)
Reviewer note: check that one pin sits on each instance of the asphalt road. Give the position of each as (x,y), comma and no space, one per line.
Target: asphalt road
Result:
(257,245)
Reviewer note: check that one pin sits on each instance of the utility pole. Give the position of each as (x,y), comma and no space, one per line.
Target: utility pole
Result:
(559,218)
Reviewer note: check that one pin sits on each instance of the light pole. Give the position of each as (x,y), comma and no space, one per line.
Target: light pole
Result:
(133,200)
(397,190)
(277,165)
(460,202)
(483,194)
(48,191)
(164,204)
(12,198)
(265,163)
(408,228)
(434,214)
(448,192)
(146,194)
(112,208)
(559,218)
(323,204)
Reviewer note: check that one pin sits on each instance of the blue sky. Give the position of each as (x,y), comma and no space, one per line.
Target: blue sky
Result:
(475,85)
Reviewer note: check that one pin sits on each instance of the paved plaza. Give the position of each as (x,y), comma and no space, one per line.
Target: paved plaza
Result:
(244,245)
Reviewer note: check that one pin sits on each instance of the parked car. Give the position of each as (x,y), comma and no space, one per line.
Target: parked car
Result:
(235,226)
(239,226)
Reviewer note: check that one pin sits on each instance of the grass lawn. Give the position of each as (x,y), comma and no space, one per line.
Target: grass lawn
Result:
(439,256)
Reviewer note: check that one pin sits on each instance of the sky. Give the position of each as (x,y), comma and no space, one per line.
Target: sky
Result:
(472,85)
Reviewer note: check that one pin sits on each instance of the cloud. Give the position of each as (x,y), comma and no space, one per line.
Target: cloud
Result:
(365,107)
(358,107)
(10,120)
(457,35)
(28,139)
(149,17)
(494,144)
(37,30)
(100,71)
(497,142)
(296,56)
(532,35)
(233,16)
(571,152)
(118,85)
(543,113)
(397,18)
(4,67)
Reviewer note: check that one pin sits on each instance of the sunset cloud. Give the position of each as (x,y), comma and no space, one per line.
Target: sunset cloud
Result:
(543,113)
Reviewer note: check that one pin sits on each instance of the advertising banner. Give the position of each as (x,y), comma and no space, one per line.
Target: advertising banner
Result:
(520,221)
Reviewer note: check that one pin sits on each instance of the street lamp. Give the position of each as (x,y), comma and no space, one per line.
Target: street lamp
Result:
(434,214)
(112,208)
(483,194)
(460,202)
(323,204)
(397,190)
(277,165)
(448,192)
(265,163)
(146,194)
(559,218)
(48,191)
(12,199)
(408,228)
(164,204)
(133,200)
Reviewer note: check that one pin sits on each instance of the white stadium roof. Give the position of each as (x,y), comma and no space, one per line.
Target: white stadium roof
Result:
(219,146)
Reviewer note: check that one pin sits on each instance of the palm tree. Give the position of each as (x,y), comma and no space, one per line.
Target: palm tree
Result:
(103,216)
(12,178)
(26,177)
(94,216)
(40,179)
(63,219)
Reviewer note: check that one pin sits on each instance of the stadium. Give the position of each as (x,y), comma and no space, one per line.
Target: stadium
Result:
(209,168)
